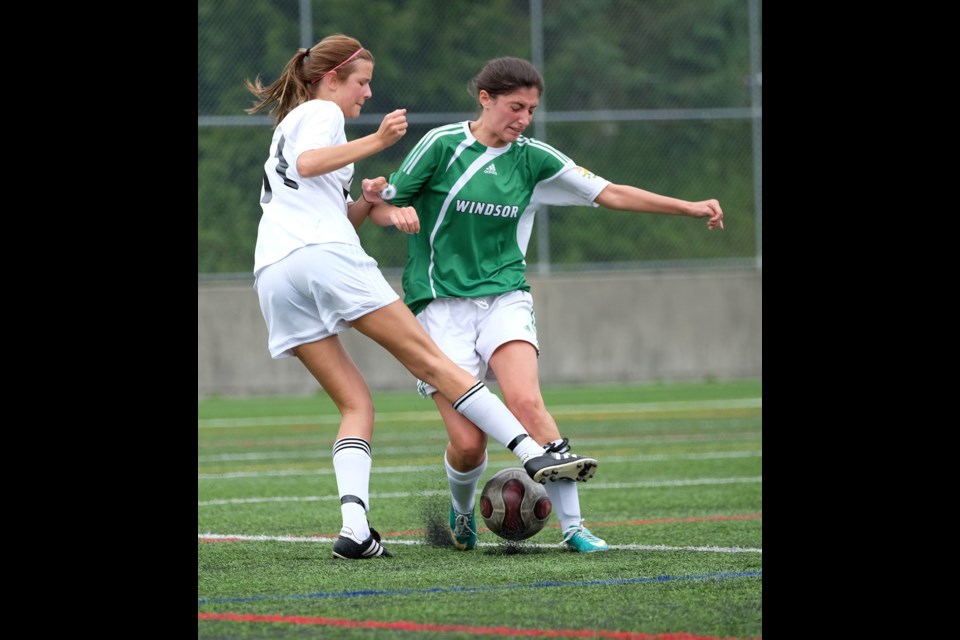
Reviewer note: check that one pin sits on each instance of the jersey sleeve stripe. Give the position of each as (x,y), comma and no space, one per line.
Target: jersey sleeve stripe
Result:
(424,145)
(545,147)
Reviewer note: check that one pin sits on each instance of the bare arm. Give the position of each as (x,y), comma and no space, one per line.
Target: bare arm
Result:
(317,162)
(622,197)
(403,218)
(371,205)
(358,211)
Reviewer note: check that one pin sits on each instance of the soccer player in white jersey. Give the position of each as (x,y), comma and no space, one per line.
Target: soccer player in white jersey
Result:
(314,280)
(476,186)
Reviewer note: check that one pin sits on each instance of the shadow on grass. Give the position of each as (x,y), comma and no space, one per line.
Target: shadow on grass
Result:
(435,514)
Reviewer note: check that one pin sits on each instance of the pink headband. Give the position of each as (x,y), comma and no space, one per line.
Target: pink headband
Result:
(355,54)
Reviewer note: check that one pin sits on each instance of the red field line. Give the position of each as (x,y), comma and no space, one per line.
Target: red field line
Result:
(443,628)
(746,516)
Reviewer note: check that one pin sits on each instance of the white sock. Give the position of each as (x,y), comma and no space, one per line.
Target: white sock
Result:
(489,413)
(565,498)
(463,485)
(352,461)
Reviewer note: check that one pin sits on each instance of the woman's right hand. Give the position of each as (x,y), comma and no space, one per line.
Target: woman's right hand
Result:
(393,127)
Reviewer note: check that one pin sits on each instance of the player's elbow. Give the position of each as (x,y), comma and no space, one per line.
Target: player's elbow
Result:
(611,197)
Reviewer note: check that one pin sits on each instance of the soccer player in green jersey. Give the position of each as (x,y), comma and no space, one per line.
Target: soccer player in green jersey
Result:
(476,186)
(315,281)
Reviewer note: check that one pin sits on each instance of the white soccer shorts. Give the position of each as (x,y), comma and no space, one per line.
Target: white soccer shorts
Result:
(469,330)
(316,291)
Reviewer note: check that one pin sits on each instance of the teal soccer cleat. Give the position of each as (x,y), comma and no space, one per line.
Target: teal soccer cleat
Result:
(463,530)
(578,538)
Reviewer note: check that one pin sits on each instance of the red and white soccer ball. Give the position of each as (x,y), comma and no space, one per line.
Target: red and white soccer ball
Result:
(514,506)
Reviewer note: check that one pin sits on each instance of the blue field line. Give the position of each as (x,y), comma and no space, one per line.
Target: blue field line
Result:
(539,585)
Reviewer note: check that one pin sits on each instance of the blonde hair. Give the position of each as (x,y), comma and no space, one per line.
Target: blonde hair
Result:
(336,53)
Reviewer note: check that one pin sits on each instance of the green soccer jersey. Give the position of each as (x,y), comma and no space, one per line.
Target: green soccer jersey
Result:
(476,206)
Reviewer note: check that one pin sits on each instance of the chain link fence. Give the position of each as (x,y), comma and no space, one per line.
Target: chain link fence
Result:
(662,95)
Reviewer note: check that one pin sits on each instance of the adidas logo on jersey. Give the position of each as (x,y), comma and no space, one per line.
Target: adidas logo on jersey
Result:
(492,170)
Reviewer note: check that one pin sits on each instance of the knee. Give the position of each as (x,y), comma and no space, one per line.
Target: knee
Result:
(363,412)
(469,453)
(530,411)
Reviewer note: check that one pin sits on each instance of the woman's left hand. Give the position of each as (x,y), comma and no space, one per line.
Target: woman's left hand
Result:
(405,219)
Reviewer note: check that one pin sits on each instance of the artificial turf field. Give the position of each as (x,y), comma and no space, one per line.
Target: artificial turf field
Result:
(677,495)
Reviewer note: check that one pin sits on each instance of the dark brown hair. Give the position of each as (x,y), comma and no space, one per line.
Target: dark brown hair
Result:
(505,75)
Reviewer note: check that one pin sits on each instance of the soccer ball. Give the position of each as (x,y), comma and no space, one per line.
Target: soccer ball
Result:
(514,506)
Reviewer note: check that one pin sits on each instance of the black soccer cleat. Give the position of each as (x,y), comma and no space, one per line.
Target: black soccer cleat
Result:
(348,547)
(553,466)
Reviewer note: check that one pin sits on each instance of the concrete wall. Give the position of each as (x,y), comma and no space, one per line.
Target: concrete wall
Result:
(593,328)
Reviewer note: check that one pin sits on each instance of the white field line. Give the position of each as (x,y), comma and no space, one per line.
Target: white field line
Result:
(322,450)
(715,455)
(653,431)
(698,482)
(562,410)
(394,541)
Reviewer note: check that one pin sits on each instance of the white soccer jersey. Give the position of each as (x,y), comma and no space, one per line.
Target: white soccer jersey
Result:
(299,211)
(476,206)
